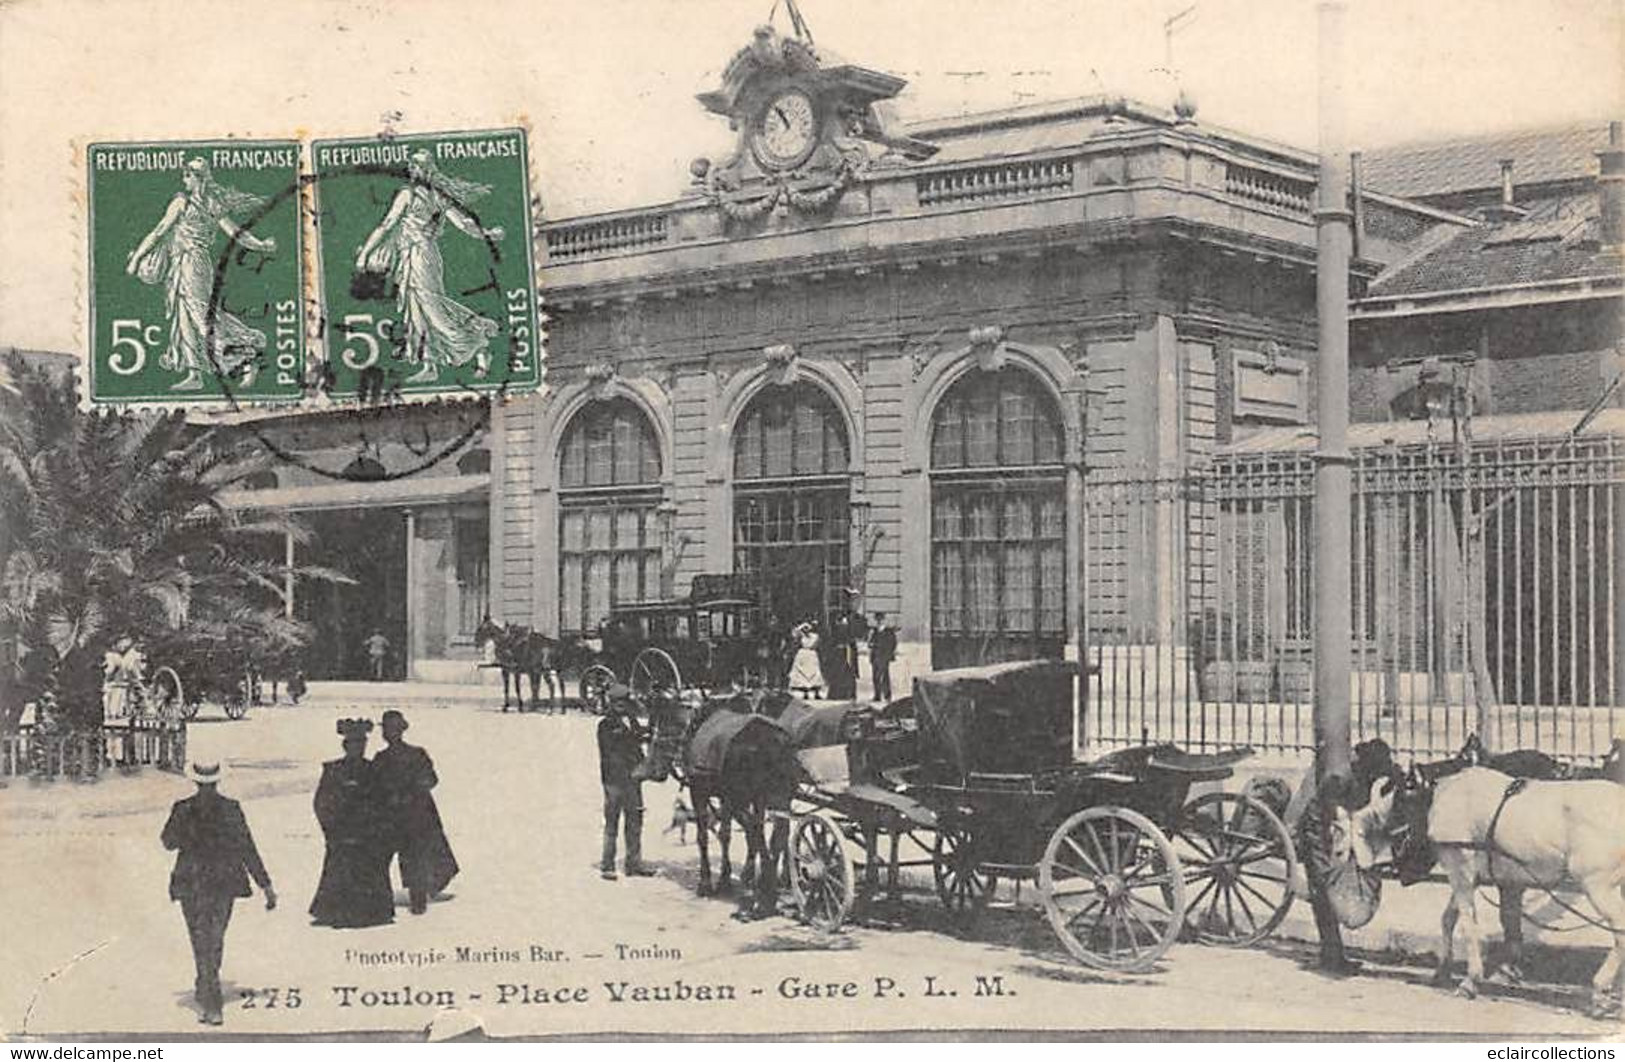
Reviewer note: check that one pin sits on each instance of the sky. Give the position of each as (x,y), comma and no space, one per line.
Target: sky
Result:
(607,86)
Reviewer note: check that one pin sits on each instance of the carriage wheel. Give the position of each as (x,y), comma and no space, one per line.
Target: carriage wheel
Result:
(1239,866)
(165,696)
(821,875)
(963,889)
(594,681)
(654,669)
(1113,888)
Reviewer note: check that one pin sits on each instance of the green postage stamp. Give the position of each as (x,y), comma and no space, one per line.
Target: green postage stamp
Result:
(195,282)
(427,283)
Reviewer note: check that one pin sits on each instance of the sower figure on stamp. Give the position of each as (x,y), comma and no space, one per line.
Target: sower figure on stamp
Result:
(215,858)
(407,779)
(354,890)
(620,751)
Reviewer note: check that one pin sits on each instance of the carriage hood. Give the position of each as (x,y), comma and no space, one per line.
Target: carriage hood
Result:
(1005,718)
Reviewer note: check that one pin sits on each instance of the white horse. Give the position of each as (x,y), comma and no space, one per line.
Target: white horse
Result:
(1543,835)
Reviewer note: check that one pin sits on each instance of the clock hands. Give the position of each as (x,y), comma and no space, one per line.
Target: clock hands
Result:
(780,112)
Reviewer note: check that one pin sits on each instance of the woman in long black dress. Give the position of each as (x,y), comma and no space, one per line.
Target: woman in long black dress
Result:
(354,890)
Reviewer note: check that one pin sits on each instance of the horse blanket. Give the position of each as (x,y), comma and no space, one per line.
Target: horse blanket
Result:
(709,748)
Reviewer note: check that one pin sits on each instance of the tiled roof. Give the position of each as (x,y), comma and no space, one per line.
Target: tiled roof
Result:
(1501,427)
(1555,241)
(1450,166)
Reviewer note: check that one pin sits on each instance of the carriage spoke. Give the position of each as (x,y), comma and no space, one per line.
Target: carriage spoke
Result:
(1245,908)
(1265,900)
(1264,877)
(1070,843)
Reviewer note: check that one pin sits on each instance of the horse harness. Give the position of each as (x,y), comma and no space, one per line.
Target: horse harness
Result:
(1491,849)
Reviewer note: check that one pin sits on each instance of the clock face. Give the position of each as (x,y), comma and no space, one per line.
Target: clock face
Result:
(786,131)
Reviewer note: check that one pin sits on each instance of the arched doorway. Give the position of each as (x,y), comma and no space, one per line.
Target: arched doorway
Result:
(792,489)
(998,521)
(609,499)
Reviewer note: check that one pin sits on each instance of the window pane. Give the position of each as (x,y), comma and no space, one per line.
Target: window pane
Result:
(1018,587)
(599,448)
(573,473)
(945,518)
(983,590)
(1052,589)
(570,594)
(809,440)
(748,448)
(776,439)
(628,528)
(981,427)
(948,435)
(573,537)
(982,518)
(627,572)
(627,451)
(598,599)
(1016,427)
(1018,517)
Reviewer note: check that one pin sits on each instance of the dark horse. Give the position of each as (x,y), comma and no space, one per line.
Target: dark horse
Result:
(522,652)
(739,767)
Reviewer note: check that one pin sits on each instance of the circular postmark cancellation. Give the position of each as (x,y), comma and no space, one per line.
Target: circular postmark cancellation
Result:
(427,309)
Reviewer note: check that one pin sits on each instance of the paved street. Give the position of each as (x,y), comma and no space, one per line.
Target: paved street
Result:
(94,946)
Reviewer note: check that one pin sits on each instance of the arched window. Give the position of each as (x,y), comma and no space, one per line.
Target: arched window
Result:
(609,498)
(998,521)
(791,502)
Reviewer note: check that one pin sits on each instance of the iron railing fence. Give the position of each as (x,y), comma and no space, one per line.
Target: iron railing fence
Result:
(1486,599)
(31,752)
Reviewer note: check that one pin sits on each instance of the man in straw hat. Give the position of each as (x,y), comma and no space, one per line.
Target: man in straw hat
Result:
(215,858)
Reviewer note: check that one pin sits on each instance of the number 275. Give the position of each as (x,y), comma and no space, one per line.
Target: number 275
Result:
(271,998)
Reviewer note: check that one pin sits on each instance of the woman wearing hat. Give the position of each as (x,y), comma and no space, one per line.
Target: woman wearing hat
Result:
(354,890)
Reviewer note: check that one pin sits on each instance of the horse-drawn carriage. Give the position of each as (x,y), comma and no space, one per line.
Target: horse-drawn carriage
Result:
(975,771)
(700,642)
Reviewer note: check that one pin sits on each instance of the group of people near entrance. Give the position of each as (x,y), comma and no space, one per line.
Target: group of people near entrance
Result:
(370,811)
(825,665)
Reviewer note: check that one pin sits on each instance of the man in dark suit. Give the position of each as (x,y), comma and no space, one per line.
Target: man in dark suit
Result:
(620,753)
(215,858)
(882,649)
(406,778)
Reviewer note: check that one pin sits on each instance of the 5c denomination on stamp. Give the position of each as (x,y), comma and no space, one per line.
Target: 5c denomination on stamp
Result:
(167,323)
(426,276)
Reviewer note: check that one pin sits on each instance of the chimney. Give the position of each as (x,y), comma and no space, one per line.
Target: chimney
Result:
(1611,189)
(1507,209)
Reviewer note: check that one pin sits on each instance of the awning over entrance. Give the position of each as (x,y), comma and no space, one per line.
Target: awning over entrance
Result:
(408,490)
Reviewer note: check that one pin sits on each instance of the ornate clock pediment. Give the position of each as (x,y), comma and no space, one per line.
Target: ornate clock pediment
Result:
(805,128)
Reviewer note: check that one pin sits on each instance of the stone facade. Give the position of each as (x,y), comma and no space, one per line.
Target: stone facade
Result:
(1153,278)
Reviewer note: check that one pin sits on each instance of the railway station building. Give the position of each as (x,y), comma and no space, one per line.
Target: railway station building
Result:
(1041,382)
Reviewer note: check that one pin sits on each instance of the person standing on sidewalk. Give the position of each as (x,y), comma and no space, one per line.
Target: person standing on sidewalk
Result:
(620,751)
(882,650)
(216,857)
(377,647)
(407,779)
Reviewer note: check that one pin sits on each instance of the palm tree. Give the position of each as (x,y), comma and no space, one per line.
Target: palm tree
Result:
(112,523)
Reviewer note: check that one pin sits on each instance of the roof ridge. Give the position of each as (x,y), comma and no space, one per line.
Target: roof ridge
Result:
(1432,144)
